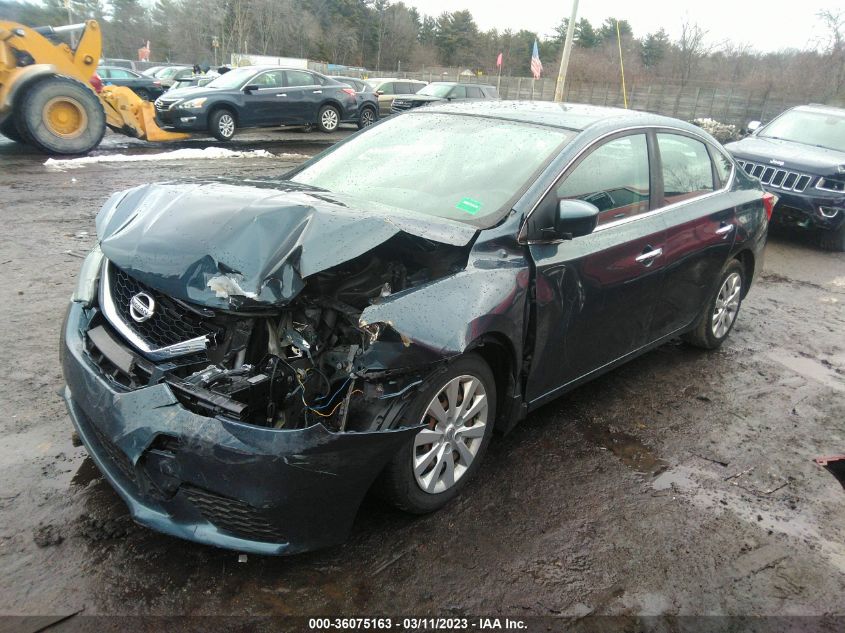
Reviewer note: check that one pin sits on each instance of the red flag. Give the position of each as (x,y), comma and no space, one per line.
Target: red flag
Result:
(499,61)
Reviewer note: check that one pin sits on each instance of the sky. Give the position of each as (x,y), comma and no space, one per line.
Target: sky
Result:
(765,25)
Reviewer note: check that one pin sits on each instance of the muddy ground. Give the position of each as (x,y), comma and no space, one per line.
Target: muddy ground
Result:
(682,483)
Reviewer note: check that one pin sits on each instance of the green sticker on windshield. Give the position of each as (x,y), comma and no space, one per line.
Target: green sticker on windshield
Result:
(469,205)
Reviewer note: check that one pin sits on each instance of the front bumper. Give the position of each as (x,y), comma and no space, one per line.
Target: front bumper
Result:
(805,210)
(181,119)
(213,480)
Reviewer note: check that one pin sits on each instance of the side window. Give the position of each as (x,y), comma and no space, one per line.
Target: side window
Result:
(458,92)
(271,79)
(614,177)
(687,171)
(104,73)
(415,88)
(122,74)
(723,166)
(474,93)
(297,78)
(387,88)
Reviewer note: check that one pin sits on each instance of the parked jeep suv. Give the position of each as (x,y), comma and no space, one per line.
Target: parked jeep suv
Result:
(800,157)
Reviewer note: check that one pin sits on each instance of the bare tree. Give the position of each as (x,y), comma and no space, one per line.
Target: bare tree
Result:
(692,48)
(833,43)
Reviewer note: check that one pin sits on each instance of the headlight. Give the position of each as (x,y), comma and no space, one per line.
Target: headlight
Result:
(89,275)
(193,104)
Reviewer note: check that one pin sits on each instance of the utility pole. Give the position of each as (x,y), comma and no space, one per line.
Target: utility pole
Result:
(567,49)
(70,21)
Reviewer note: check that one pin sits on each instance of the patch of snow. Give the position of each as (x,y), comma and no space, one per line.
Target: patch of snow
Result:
(179,154)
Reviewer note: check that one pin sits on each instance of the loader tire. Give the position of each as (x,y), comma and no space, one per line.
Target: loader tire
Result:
(59,115)
(8,129)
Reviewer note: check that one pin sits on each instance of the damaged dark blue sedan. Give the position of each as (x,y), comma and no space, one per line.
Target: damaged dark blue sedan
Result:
(246,359)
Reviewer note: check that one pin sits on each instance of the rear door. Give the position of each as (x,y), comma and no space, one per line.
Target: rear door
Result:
(595,294)
(304,96)
(386,95)
(700,222)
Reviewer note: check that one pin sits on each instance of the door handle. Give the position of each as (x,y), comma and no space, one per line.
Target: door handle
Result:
(725,230)
(646,257)
(283,94)
(318,92)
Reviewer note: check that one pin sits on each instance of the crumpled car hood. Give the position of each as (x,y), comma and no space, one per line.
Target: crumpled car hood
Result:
(248,244)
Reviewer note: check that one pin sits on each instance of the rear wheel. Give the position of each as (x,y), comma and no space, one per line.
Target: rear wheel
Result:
(367,118)
(719,315)
(833,240)
(8,129)
(221,124)
(457,411)
(328,119)
(59,115)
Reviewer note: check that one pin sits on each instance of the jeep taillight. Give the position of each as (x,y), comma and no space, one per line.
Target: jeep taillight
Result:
(769,202)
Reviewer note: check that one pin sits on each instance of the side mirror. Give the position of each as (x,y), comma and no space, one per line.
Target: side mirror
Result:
(575,218)
(753,126)
(251,87)
(379,92)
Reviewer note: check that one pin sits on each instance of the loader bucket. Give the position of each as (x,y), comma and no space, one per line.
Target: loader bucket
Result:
(128,114)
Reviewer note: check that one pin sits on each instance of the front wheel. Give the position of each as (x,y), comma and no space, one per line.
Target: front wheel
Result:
(59,115)
(221,124)
(328,119)
(833,240)
(457,412)
(719,315)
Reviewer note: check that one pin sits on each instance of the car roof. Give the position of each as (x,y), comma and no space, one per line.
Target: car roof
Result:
(380,79)
(572,116)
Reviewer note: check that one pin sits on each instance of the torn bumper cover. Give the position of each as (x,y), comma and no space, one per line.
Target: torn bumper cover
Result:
(216,481)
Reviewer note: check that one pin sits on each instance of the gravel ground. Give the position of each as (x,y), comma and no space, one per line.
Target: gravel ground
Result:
(680,484)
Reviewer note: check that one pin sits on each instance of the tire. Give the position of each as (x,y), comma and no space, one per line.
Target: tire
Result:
(59,115)
(833,240)
(716,322)
(8,129)
(367,117)
(399,483)
(328,119)
(144,94)
(221,124)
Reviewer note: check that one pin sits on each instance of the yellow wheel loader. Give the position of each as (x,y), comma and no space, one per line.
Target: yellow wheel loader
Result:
(47,99)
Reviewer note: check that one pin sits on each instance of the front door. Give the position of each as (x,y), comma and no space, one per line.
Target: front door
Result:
(261,106)
(304,97)
(595,294)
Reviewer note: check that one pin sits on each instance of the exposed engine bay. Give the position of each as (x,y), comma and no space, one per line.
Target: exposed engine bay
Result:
(292,367)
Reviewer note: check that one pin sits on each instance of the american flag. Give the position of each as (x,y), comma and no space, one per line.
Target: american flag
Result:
(536,64)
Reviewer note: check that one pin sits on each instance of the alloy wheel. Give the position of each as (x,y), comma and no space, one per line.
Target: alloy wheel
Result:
(455,422)
(367,118)
(329,119)
(226,125)
(727,305)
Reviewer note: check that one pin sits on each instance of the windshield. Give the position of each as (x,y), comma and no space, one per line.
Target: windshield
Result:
(451,166)
(811,128)
(167,73)
(436,90)
(232,79)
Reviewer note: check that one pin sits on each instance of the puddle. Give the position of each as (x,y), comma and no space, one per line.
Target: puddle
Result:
(630,450)
(810,368)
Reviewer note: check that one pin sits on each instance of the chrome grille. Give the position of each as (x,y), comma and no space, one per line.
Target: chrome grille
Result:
(776,177)
(173,330)
(164,104)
